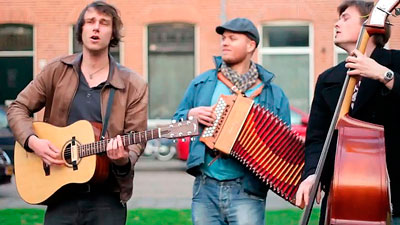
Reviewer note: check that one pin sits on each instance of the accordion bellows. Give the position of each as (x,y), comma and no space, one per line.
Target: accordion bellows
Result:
(260,140)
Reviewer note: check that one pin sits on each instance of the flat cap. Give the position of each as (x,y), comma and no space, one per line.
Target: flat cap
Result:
(240,25)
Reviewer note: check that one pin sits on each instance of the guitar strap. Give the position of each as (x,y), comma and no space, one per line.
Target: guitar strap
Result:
(108,111)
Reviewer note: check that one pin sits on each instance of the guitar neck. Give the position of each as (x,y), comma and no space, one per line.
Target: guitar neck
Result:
(128,139)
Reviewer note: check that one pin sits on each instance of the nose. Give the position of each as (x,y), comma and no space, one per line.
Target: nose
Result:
(224,42)
(337,24)
(96,26)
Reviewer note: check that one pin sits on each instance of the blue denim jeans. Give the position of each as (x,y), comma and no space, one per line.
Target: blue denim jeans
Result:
(224,202)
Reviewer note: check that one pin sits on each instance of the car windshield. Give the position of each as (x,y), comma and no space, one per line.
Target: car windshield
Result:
(3,119)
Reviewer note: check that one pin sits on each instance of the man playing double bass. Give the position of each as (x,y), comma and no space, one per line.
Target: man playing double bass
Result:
(375,100)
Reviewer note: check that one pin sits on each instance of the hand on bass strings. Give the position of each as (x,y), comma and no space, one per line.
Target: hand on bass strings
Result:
(364,66)
(204,114)
(43,148)
(116,151)
(303,193)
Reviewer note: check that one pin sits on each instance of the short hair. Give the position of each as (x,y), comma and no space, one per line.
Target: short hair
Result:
(365,8)
(107,9)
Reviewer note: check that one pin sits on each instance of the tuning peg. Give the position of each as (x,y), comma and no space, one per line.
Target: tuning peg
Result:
(174,140)
(193,138)
(183,139)
(190,118)
(181,119)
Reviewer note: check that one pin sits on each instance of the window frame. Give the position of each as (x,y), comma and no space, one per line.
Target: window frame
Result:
(31,53)
(292,50)
(157,122)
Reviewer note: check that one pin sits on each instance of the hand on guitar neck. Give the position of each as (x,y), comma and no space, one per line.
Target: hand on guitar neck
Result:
(49,153)
(117,152)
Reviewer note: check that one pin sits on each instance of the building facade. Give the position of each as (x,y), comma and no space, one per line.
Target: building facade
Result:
(170,42)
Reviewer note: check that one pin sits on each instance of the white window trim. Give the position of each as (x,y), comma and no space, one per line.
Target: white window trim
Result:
(71,40)
(292,50)
(146,54)
(16,53)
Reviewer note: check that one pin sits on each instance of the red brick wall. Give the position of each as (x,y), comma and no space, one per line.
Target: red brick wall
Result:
(52,19)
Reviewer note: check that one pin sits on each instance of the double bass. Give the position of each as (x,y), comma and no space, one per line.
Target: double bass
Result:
(359,192)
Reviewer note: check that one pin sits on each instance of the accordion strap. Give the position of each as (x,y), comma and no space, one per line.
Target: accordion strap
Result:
(234,89)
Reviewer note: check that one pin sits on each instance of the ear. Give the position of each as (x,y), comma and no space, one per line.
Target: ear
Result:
(251,46)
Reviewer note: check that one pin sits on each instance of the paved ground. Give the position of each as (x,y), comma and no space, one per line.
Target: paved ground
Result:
(157,185)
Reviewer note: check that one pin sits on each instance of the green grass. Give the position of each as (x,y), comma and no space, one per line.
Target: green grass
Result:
(151,216)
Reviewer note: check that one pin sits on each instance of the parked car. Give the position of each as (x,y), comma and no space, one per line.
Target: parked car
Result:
(6,168)
(182,148)
(299,120)
(7,140)
(161,149)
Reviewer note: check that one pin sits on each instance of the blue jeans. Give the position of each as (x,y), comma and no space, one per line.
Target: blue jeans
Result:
(395,220)
(224,202)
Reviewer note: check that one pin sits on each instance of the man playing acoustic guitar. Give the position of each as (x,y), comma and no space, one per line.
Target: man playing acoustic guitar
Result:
(77,87)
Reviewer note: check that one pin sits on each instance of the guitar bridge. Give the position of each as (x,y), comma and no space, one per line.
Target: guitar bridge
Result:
(74,154)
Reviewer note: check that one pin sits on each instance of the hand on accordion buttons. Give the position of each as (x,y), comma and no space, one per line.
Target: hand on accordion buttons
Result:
(303,193)
(204,114)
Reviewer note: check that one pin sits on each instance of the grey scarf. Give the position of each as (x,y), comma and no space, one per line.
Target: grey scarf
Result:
(242,82)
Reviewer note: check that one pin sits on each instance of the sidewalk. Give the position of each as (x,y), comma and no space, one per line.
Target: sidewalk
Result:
(157,184)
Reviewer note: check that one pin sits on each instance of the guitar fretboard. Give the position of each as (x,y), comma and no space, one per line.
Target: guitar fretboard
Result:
(128,139)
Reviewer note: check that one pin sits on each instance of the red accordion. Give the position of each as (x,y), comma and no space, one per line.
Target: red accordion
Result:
(260,140)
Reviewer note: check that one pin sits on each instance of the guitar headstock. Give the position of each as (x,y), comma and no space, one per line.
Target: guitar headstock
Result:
(181,129)
(379,14)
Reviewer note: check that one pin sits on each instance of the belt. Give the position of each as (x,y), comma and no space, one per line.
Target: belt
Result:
(87,188)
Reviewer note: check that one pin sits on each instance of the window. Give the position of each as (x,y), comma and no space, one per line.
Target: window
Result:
(340,55)
(286,51)
(77,47)
(16,59)
(170,66)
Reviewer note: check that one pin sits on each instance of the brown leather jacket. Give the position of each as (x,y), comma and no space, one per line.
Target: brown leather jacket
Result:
(55,87)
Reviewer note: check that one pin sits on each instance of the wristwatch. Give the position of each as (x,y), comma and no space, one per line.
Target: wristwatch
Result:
(388,76)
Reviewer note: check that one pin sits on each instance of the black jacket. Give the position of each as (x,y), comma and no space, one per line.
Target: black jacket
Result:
(374,104)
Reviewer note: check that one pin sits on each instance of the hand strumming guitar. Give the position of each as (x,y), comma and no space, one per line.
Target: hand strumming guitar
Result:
(49,153)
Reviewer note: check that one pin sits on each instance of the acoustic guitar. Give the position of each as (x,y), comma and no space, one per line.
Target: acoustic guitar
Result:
(36,181)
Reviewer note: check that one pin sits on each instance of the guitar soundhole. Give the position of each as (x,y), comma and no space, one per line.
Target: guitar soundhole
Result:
(66,154)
